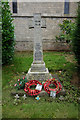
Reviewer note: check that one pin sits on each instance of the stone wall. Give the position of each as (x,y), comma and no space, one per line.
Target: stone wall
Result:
(53,13)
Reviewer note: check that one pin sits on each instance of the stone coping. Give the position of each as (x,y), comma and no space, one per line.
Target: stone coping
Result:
(38,72)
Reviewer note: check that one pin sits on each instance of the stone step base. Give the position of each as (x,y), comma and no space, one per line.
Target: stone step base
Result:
(38,67)
(42,76)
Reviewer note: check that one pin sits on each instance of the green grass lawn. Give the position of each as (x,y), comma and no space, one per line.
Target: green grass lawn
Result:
(60,63)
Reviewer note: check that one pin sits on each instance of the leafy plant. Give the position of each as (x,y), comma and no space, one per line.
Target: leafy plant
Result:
(76,37)
(21,83)
(66,28)
(67,106)
(7,34)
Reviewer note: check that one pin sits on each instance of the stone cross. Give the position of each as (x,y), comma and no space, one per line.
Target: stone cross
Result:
(38,71)
(37,24)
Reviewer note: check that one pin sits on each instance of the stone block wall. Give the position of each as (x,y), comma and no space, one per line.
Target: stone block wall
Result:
(53,13)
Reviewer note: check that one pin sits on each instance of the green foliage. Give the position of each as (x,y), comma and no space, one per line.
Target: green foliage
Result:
(18,68)
(72,91)
(30,108)
(7,34)
(67,28)
(21,83)
(54,61)
(76,37)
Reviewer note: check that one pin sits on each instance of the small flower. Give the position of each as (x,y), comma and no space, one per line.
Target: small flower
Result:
(15,85)
(19,84)
(17,97)
(60,71)
(72,20)
(64,32)
(53,78)
(18,79)
(23,77)
(24,97)
(37,98)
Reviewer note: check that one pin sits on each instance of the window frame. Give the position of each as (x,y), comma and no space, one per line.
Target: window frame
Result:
(66,7)
(14,6)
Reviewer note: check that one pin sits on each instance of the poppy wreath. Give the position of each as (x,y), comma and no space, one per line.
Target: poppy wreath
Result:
(29,91)
(55,82)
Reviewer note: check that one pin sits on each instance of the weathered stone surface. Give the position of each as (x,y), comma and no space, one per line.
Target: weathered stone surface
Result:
(19,92)
(38,71)
(43,93)
(46,8)
(38,75)
(38,67)
(61,98)
(53,13)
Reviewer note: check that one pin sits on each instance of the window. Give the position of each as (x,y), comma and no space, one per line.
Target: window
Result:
(14,6)
(66,7)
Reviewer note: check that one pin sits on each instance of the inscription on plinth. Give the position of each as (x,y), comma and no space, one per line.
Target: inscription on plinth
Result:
(37,52)
(38,56)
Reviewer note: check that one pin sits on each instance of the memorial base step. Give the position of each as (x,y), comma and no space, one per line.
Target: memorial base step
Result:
(42,76)
(38,67)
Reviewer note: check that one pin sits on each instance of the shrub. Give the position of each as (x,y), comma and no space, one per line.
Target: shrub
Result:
(65,34)
(76,37)
(7,34)
(21,83)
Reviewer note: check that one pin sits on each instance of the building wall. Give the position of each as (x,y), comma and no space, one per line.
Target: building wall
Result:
(53,13)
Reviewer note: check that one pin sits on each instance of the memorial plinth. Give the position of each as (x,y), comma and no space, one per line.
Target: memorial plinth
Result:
(38,71)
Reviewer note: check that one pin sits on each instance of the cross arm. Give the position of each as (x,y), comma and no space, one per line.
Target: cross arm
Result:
(43,24)
(31,24)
